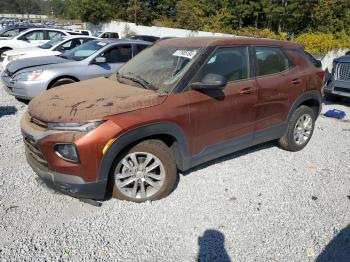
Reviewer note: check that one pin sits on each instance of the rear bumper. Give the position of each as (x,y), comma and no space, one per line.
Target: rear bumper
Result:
(338,87)
(67,184)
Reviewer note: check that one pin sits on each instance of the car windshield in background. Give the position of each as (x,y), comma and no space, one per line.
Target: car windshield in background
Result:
(83,51)
(11,33)
(160,67)
(52,43)
(96,34)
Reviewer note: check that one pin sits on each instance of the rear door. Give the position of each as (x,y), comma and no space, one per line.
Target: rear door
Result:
(221,116)
(278,80)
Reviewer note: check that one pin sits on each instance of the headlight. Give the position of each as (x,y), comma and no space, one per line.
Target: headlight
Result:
(80,127)
(67,152)
(13,57)
(28,76)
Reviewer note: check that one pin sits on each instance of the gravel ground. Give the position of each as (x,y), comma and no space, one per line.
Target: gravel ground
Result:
(262,204)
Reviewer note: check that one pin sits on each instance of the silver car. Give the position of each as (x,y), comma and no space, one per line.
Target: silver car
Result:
(27,78)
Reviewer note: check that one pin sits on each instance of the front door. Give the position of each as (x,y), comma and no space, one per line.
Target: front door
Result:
(218,117)
(116,56)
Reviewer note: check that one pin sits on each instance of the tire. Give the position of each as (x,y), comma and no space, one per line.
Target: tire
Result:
(295,142)
(62,81)
(3,50)
(331,97)
(162,177)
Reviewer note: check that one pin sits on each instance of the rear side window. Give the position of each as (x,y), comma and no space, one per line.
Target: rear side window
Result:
(55,35)
(270,60)
(118,54)
(230,62)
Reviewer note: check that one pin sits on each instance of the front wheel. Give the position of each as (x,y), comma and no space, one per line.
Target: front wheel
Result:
(62,81)
(145,172)
(300,129)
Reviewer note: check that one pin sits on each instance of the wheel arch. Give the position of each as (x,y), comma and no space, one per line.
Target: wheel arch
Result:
(312,99)
(61,77)
(169,133)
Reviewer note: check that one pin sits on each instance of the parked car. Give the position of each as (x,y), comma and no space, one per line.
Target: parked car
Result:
(177,104)
(56,46)
(29,77)
(30,38)
(106,35)
(338,85)
(148,38)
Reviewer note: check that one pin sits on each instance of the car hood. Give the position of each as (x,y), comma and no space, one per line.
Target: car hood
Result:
(91,100)
(17,65)
(343,59)
(20,51)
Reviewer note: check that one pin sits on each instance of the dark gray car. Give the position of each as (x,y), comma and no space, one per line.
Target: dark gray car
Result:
(27,78)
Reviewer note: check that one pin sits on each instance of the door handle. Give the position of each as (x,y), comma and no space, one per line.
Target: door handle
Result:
(296,81)
(247,91)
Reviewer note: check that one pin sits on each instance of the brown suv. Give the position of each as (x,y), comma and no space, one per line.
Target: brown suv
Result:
(174,106)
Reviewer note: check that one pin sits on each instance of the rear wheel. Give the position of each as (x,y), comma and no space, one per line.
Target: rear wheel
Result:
(62,81)
(300,129)
(145,172)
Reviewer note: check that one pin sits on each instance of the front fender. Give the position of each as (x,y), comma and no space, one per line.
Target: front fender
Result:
(182,155)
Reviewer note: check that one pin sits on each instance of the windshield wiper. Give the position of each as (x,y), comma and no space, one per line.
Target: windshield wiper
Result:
(138,79)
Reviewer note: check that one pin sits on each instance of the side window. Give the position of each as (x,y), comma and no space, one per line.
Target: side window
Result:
(230,62)
(55,35)
(270,60)
(118,54)
(139,48)
(34,35)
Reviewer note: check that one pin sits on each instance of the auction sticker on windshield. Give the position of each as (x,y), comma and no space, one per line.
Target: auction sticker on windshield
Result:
(185,53)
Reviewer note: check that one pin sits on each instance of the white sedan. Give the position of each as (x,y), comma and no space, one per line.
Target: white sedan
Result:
(54,47)
(31,38)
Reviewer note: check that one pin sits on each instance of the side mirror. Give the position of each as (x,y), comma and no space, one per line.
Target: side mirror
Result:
(100,60)
(23,38)
(210,82)
(318,63)
(347,53)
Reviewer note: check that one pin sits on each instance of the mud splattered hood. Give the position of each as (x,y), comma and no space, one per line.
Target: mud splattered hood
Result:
(91,100)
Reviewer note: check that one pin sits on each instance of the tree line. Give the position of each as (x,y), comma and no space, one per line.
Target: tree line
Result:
(228,16)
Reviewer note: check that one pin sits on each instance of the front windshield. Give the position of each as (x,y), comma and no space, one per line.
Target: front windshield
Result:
(83,51)
(52,43)
(161,67)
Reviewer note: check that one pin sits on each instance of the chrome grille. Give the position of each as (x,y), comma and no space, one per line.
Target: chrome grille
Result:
(343,71)
(33,150)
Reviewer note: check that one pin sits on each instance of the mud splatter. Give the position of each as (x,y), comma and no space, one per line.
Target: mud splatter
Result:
(100,99)
(90,106)
(56,97)
(109,104)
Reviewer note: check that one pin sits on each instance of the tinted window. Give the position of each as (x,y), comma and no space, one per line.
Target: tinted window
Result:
(34,35)
(118,54)
(139,48)
(231,63)
(270,60)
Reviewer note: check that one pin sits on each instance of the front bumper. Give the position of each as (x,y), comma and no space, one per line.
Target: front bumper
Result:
(67,184)
(338,87)
(24,90)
